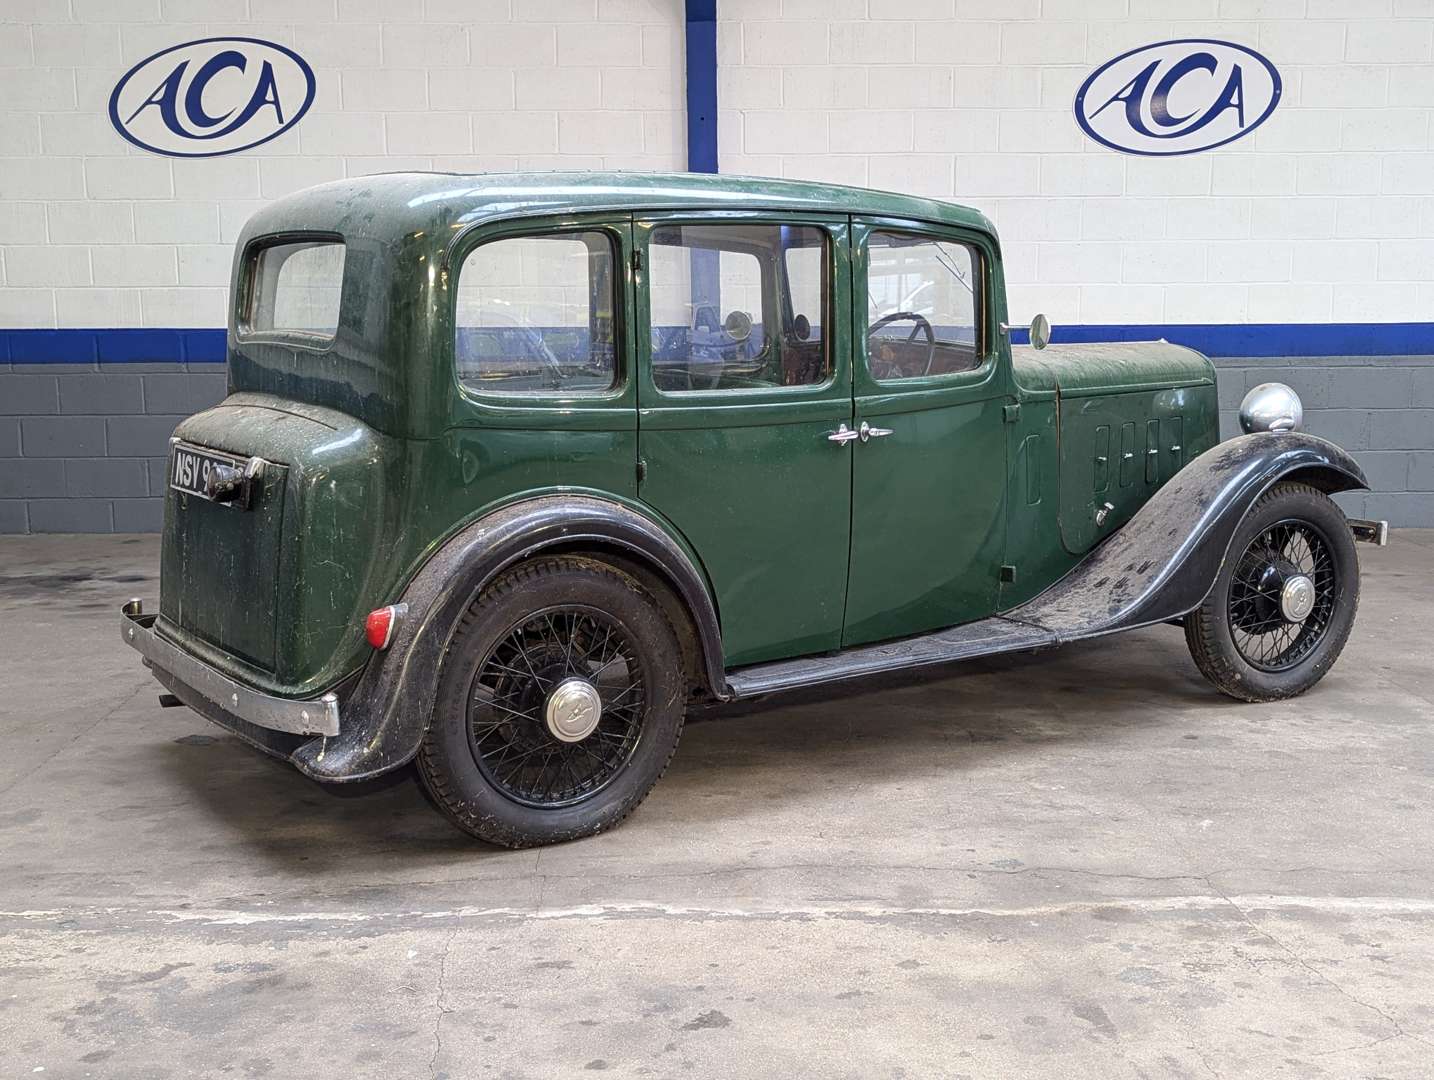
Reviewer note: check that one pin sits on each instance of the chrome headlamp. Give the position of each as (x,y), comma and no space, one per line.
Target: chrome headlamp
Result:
(1271,406)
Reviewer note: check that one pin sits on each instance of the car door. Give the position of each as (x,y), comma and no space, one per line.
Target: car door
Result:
(542,340)
(929,472)
(744,376)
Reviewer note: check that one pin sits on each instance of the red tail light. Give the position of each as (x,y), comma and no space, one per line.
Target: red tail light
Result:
(380,625)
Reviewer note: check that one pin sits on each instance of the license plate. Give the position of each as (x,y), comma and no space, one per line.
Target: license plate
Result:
(189,469)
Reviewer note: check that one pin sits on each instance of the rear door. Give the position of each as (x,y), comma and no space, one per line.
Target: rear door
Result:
(542,341)
(929,480)
(743,375)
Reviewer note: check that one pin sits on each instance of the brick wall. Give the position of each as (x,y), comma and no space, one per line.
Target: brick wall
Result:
(1380,409)
(82,445)
(1326,214)
(95,232)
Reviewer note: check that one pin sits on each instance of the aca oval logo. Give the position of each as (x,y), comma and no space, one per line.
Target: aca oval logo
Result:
(1177,97)
(213,96)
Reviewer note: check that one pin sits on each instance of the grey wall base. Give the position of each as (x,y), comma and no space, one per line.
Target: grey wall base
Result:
(1379,408)
(82,447)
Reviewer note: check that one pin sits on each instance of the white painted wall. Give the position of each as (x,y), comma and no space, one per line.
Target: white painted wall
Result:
(1326,213)
(97,233)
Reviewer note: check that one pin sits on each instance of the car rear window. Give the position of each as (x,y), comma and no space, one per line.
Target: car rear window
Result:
(296,288)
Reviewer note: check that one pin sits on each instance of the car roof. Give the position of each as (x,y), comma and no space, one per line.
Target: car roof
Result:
(387,206)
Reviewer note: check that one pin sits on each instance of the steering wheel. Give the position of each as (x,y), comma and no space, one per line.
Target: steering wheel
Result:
(922,327)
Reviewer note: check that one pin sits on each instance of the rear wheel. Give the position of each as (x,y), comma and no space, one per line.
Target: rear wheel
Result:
(560,704)
(1284,602)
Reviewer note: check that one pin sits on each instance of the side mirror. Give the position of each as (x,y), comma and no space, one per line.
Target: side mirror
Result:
(1040,332)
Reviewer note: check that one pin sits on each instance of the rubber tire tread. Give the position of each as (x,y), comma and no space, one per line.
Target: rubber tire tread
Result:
(453,778)
(1207,630)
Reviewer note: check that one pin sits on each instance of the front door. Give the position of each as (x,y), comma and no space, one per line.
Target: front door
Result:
(929,480)
(744,372)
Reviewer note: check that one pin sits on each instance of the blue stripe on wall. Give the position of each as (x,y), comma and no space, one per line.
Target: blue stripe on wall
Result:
(1265,339)
(702,86)
(176,345)
(129,345)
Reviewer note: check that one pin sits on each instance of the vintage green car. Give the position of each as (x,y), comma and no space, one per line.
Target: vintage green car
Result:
(514,468)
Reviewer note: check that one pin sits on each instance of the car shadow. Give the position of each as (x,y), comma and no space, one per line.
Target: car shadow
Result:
(1009,704)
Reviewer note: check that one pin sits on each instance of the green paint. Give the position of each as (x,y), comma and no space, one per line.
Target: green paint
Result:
(807,544)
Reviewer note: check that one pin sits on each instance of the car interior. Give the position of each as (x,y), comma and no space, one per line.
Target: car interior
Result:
(737,306)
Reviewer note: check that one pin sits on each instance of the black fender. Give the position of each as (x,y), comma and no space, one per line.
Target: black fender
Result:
(383,720)
(1162,564)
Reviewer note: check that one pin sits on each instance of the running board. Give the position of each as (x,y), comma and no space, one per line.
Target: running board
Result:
(983,638)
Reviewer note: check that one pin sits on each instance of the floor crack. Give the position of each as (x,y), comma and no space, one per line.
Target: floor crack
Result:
(1364,1045)
(440,1003)
(1399,1030)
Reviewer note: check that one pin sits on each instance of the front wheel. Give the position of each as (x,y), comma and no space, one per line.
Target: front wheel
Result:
(1284,601)
(559,706)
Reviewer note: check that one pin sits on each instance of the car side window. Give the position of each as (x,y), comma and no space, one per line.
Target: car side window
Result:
(738,306)
(923,306)
(534,315)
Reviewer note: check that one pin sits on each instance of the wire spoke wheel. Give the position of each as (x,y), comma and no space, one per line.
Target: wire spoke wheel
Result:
(1283,594)
(556,706)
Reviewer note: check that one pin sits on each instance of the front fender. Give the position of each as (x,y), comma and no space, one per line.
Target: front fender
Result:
(1163,562)
(385,717)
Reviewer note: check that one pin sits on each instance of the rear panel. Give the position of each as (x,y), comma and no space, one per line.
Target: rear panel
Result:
(275,594)
(220,569)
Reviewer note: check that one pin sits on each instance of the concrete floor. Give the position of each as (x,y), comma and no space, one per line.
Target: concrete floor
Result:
(1079,864)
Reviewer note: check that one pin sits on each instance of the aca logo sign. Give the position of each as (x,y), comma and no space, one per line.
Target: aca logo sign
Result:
(213,96)
(1177,97)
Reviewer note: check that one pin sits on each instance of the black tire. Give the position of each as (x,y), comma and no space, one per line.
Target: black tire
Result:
(1238,638)
(489,766)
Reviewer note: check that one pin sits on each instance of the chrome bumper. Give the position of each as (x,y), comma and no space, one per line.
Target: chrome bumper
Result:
(1370,532)
(223,694)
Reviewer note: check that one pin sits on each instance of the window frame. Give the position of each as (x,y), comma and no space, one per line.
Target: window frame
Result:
(616,253)
(586,409)
(248,290)
(835,229)
(985,353)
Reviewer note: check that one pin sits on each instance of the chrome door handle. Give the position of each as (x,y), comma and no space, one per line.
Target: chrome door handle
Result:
(843,434)
(869,432)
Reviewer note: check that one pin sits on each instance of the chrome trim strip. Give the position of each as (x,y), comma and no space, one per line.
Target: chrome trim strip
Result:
(318,717)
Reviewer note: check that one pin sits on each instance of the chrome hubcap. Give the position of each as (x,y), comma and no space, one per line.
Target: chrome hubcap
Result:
(1297,598)
(573,710)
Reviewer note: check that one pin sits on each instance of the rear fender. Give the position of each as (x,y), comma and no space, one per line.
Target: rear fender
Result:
(1162,564)
(384,719)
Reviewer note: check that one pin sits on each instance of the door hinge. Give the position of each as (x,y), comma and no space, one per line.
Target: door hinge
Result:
(1008,575)
(636,259)
(641,470)
(1011,413)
